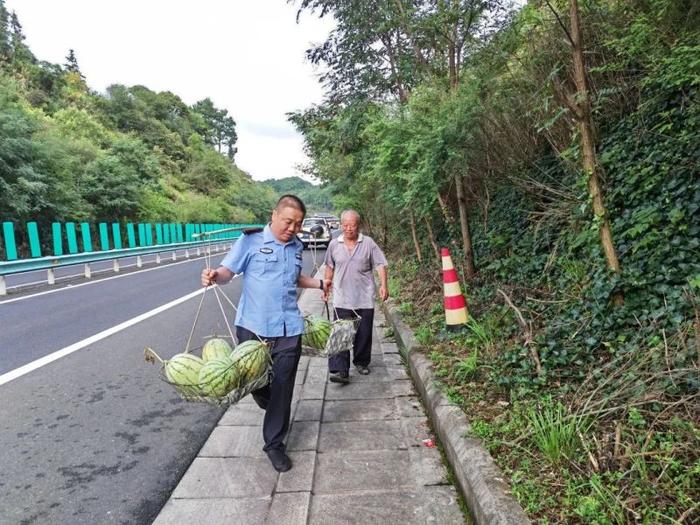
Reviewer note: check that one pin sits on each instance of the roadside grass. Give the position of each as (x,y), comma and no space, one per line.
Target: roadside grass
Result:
(620,445)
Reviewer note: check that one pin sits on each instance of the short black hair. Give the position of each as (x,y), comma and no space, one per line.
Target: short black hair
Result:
(291,201)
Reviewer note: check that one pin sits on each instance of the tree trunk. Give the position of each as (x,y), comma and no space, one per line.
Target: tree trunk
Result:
(590,161)
(431,237)
(464,225)
(415,238)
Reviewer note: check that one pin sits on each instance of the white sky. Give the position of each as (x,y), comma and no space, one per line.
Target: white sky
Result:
(246,55)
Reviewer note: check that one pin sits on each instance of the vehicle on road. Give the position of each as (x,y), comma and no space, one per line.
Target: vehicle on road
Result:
(332,220)
(315,238)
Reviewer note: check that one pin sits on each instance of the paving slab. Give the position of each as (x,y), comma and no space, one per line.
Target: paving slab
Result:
(244,414)
(227,478)
(433,505)
(343,471)
(245,511)
(303,435)
(362,435)
(291,508)
(233,442)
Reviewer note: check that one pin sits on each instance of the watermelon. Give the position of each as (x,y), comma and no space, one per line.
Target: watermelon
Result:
(317,329)
(251,359)
(218,377)
(183,369)
(216,348)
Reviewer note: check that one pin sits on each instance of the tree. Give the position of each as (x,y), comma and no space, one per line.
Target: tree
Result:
(580,106)
(5,35)
(219,128)
(71,64)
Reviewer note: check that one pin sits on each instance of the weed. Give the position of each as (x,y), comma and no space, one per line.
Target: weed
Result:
(555,431)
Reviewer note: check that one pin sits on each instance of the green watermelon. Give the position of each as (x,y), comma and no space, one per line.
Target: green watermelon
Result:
(251,359)
(216,348)
(183,369)
(317,329)
(218,377)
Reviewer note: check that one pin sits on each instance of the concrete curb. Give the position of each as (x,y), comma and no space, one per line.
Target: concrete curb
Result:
(479,479)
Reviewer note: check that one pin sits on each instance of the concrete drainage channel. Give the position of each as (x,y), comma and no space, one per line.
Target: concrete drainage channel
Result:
(478,478)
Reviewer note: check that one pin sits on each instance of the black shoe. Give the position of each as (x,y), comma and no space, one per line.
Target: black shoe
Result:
(279,459)
(362,369)
(340,377)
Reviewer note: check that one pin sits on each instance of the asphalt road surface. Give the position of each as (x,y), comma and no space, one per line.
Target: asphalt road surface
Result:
(94,436)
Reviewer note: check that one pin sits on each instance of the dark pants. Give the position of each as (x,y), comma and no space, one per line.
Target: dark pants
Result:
(276,397)
(362,346)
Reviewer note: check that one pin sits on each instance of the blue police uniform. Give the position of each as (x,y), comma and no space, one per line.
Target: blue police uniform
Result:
(268,309)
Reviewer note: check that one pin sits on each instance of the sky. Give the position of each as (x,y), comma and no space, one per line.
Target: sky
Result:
(246,55)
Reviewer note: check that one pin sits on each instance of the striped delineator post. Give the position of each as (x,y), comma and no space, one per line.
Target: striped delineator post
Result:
(455,304)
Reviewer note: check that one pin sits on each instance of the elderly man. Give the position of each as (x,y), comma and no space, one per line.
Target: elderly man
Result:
(270,260)
(351,259)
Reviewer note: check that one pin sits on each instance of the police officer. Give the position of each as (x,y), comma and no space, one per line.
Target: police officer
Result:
(270,260)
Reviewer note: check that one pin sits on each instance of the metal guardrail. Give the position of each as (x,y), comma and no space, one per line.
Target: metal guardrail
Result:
(51,263)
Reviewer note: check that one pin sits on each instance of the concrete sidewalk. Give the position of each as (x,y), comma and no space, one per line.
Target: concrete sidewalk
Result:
(357,450)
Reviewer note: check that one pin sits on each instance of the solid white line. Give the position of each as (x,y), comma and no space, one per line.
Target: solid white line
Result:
(29,367)
(72,287)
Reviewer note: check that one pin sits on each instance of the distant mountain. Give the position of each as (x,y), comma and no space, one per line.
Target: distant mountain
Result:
(316,198)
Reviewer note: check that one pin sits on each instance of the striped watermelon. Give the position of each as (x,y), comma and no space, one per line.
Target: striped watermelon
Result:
(218,377)
(317,329)
(251,359)
(216,348)
(183,369)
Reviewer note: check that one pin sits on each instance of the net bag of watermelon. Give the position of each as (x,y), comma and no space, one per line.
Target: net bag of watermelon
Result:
(324,338)
(217,372)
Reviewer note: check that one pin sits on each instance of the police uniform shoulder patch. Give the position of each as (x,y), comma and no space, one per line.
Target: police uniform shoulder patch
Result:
(266,250)
(249,231)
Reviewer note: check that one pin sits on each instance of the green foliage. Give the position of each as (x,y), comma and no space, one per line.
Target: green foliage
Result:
(316,198)
(555,431)
(67,153)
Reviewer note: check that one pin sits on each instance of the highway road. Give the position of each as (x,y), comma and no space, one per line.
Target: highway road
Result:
(88,432)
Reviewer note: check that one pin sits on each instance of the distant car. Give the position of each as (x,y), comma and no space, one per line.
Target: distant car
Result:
(332,220)
(307,237)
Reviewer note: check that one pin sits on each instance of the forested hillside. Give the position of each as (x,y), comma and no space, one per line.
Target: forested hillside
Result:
(68,153)
(316,198)
(555,150)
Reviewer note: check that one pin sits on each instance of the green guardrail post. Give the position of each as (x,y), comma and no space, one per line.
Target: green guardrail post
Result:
(142,234)
(159,233)
(149,234)
(180,236)
(8,232)
(71,237)
(117,236)
(33,234)
(57,238)
(173,233)
(87,236)
(104,237)
(130,235)
(166,233)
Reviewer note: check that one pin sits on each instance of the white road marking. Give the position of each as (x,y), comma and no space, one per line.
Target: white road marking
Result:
(30,367)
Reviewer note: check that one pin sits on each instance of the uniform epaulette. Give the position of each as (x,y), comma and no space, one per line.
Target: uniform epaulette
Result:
(249,231)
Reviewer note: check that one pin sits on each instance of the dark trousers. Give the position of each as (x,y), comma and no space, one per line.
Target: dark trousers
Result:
(276,397)
(362,346)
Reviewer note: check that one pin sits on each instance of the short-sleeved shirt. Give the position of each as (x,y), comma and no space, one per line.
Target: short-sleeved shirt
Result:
(271,269)
(353,279)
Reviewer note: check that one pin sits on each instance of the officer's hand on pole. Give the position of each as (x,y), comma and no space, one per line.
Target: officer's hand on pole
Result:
(208,277)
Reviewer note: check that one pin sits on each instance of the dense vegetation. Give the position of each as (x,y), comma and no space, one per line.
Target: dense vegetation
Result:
(554,149)
(316,198)
(68,153)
